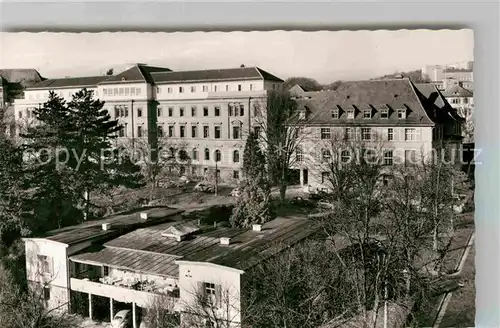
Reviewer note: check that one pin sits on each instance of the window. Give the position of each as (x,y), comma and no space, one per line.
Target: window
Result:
(132,92)
(193,89)
(388,159)
(158,90)
(390,134)
(205,171)
(193,111)
(195,154)
(181,89)
(227,87)
(410,134)
(182,131)
(115,91)
(410,157)
(46,293)
(182,170)
(205,132)
(207,154)
(194,130)
(231,109)
(299,155)
(127,91)
(366,134)
(217,132)
(251,87)
(160,131)
(345,156)
(105,91)
(181,111)
(105,270)
(350,113)
(384,113)
(302,114)
(335,113)
(218,155)
(137,91)
(205,88)
(159,112)
(217,110)
(349,134)
(236,132)
(122,131)
(367,114)
(170,130)
(242,110)
(239,87)
(385,180)
(325,133)
(326,155)
(205,111)
(401,113)
(324,177)
(44,264)
(256,130)
(209,289)
(236,174)
(121,92)
(215,88)
(139,131)
(169,90)
(20,114)
(236,156)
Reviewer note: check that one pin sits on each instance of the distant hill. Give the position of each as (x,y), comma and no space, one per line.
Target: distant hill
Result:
(415,76)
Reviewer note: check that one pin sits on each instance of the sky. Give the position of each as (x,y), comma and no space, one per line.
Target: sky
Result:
(326,56)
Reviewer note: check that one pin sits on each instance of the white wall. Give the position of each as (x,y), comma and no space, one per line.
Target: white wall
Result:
(192,273)
(58,279)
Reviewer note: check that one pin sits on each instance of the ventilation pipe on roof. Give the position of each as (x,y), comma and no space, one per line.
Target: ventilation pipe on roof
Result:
(225,240)
(257,227)
(106,226)
(144,215)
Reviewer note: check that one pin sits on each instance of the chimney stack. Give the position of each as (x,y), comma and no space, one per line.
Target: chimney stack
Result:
(257,227)
(106,226)
(225,240)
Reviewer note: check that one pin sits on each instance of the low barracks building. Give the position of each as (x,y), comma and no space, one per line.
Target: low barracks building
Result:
(209,112)
(406,119)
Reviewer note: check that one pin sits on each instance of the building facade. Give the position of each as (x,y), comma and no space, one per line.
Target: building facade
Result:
(462,99)
(207,113)
(155,257)
(404,120)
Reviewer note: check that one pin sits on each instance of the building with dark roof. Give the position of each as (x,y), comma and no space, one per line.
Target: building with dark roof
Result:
(209,111)
(462,99)
(143,256)
(403,118)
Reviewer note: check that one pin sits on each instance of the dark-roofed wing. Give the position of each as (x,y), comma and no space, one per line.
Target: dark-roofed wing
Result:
(88,81)
(242,73)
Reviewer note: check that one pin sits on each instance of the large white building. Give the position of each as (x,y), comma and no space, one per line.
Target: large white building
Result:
(140,259)
(209,112)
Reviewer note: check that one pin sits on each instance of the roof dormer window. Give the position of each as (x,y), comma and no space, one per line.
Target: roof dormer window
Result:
(181,231)
(384,113)
(401,114)
(367,113)
(350,113)
(335,113)
(123,79)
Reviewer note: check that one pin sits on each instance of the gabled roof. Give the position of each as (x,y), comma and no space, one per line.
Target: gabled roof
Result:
(297,90)
(181,229)
(374,95)
(437,107)
(137,73)
(213,75)
(457,91)
(86,81)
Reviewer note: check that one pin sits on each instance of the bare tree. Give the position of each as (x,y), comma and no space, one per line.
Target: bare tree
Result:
(160,313)
(281,121)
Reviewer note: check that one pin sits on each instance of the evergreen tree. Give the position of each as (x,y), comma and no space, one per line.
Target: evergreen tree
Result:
(254,205)
(98,166)
(52,196)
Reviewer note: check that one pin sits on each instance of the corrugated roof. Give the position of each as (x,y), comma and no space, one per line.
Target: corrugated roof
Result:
(241,73)
(457,91)
(246,249)
(86,81)
(120,223)
(373,95)
(143,262)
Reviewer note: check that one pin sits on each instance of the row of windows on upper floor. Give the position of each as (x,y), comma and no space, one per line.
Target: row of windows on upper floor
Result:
(367,113)
(237,109)
(171,133)
(368,134)
(457,100)
(193,155)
